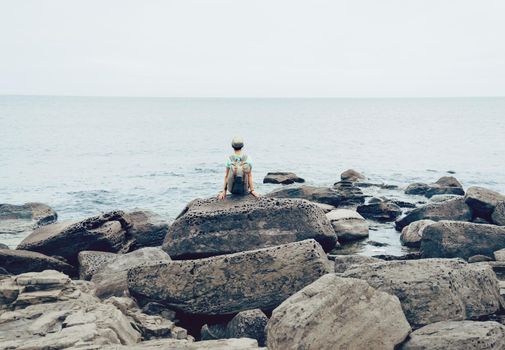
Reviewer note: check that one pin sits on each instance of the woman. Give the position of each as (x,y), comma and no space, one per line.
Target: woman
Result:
(238,178)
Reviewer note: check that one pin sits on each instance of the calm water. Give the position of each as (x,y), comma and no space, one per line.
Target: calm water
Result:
(83,155)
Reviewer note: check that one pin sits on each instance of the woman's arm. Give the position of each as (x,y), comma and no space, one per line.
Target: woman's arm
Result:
(222,195)
(251,185)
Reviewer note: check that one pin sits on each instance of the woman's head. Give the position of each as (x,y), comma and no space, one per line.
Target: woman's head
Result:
(237,143)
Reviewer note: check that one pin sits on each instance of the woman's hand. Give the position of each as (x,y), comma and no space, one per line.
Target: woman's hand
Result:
(221,195)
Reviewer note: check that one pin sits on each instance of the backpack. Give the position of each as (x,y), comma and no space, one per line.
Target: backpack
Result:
(238,179)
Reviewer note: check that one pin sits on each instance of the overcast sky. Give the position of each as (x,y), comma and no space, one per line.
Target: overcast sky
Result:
(355,48)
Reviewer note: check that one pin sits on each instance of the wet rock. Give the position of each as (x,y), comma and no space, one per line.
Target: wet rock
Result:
(344,262)
(499,255)
(457,335)
(148,229)
(381,211)
(231,283)
(112,278)
(284,178)
(90,261)
(432,290)
(498,216)
(352,175)
(417,188)
(348,224)
(455,209)
(21,261)
(483,201)
(248,324)
(412,234)
(445,185)
(213,331)
(106,232)
(212,227)
(337,313)
(451,239)
(479,258)
(343,193)
(21,219)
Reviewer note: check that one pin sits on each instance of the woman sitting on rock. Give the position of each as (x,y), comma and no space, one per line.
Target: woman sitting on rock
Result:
(238,178)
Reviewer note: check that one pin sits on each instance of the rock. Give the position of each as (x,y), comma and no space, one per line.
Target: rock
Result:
(91,261)
(412,234)
(479,258)
(352,175)
(498,216)
(432,290)
(457,335)
(231,283)
(112,278)
(213,331)
(325,207)
(455,209)
(337,313)
(483,201)
(211,227)
(153,308)
(4,246)
(403,204)
(21,261)
(344,262)
(379,185)
(172,344)
(443,198)
(382,211)
(342,194)
(148,229)
(451,239)
(417,188)
(499,255)
(282,178)
(22,219)
(348,224)
(445,185)
(106,232)
(248,324)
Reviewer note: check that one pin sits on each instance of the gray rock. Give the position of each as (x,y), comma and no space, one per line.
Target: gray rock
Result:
(455,209)
(457,335)
(483,201)
(452,239)
(248,324)
(343,193)
(344,262)
(232,283)
(212,227)
(283,178)
(4,246)
(432,290)
(337,313)
(352,175)
(148,229)
(213,331)
(479,258)
(22,219)
(445,185)
(417,188)
(21,261)
(325,207)
(90,261)
(381,211)
(172,344)
(499,255)
(348,224)
(438,198)
(412,234)
(498,216)
(106,232)
(112,278)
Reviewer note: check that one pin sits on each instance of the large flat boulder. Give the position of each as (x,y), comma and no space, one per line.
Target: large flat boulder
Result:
(433,290)
(453,209)
(457,335)
(231,283)
(337,313)
(210,227)
(174,344)
(341,194)
(106,232)
(453,239)
(284,178)
(22,219)
(348,224)
(112,278)
(483,201)
(21,261)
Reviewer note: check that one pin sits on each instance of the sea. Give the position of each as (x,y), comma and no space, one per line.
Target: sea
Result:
(86,155)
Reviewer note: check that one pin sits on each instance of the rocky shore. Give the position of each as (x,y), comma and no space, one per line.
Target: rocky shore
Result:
(276,273)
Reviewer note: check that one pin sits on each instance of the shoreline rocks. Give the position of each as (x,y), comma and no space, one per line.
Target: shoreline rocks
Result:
(380,211)
(284,178)
(483,201)
(226,284)
(348,225)
(352,175)
(211,227)
(20,219)
(413,233)
(446,185)
(22,261)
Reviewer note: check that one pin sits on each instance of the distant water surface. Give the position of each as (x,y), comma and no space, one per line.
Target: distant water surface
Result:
(84,155)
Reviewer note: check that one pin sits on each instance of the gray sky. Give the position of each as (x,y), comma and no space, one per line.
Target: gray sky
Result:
(254,48)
